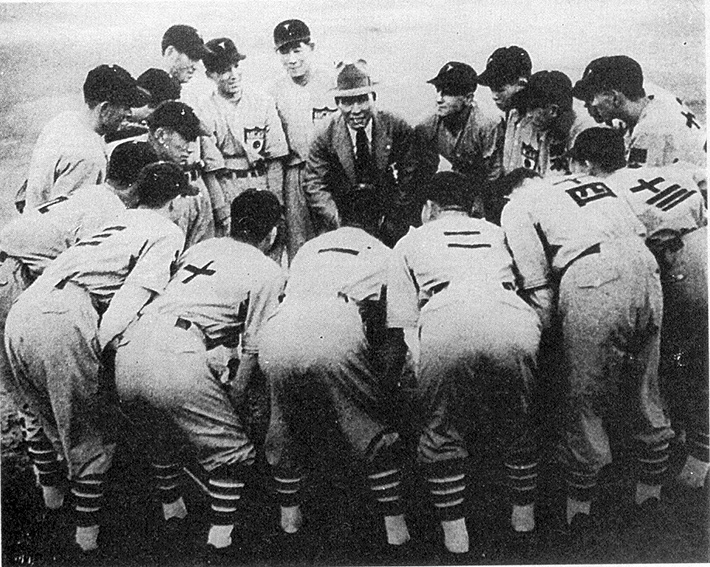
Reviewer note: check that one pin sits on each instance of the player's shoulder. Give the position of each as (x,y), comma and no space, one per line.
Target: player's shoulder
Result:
(391,120)
(484,117)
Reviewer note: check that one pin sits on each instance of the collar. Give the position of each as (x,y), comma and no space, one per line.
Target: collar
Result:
(353,134)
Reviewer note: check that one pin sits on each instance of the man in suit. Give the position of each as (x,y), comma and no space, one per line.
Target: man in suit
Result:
(360,149)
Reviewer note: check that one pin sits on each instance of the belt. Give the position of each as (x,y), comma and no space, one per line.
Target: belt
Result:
(256,171)
(588,252)
(99,305)
(508,286)
(187,325)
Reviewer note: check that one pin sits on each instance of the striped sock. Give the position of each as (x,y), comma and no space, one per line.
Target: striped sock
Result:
(167,476)
(48,468)
(88,494)
(581,485)
(225,486)
(447,486)
(652,463)
(386,488)
(699,445)
(287,485)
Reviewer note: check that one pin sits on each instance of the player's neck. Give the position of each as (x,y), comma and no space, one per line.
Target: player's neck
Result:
(634,109)
(304,79)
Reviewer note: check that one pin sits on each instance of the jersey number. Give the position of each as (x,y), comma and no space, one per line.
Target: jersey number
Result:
(100,237)
(49,204)
(585,194)
(457,239)
(664,198)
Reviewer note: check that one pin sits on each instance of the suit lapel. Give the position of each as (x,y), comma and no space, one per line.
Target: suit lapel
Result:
(344,148)
(382,142)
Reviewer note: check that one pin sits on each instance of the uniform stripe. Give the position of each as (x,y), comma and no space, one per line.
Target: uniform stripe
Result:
(88,497)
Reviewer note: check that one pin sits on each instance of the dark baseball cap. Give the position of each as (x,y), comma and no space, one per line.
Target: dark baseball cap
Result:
(505,66)
(186,40)
(178,117)
(160,182)
(127,160)
(617,72)
(221,54)
(604,146)
(457,77)
(159,85)
(549,87)
(291,31)
(115,85)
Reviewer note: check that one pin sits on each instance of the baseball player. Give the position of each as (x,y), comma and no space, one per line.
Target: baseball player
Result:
(246,142)
(182,49)
(577,244)
(57,329)
(672,209)
(507,73)
(660,131)
(359,148)
(548,128)
(452,279)
(70,151)
(303,101)
(223,289)
(320,354)
(29,244)
(460,136)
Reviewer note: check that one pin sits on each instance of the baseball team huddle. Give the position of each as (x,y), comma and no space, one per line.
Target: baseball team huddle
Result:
(177,244)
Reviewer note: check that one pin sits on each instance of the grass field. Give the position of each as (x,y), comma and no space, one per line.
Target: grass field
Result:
(46,51)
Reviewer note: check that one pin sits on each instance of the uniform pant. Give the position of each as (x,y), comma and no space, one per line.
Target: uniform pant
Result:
(610,306)
(299,227)
(52,346)
(684,339)
(165,382)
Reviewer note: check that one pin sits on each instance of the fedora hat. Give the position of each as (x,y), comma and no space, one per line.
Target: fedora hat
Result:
(353,79)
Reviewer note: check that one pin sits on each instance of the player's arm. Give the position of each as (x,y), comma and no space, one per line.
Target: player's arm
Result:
(277,151)
(319,169)
(124,307)
(492,135)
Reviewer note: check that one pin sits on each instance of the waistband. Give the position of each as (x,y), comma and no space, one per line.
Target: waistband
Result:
(256,171)
(100,305)
(508,286)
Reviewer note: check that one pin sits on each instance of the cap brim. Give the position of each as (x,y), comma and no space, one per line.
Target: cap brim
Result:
(197,53)
(485,79)
(354,92)
(582,90)
(135,98)
(305,39)
(190,190)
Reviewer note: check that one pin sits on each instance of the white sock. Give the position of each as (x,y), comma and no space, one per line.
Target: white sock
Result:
(87,537)
(455,535)
(646,491)
(397,531)
(220,536)
(523,518)
(291,519)
(575,507)
(176,509)
(53,497)
(694,472)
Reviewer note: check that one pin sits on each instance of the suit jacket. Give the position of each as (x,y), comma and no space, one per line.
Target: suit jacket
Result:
(330,169)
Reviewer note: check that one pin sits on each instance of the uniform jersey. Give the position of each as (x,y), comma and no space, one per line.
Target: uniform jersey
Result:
(42,233)
(344,262)
(666,132)
(225,287)
(135,247)
(527,146)
(550,223)
(301,108)
(454,251)
(241,134)
(68,154)
(662,197)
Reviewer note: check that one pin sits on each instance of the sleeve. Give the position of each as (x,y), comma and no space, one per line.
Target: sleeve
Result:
(276,144)
(156,261)
(402,292)
(209,150)
(524,239)
(317,172)
(263,301)
(653,148)
(491,137)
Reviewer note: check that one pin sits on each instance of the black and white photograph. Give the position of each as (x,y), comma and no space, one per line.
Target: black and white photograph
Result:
(353,282)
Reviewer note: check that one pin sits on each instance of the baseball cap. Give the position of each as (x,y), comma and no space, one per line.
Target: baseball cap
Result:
(127,160)
(457,77)
(178,117)
(603,146)
(160,182)
(291,31)
(254,213)
(353,79)
(506,65)
(113,84)
(159,85)
(185,39)
(617,72)
(221,54)
(450,189)
(549,87)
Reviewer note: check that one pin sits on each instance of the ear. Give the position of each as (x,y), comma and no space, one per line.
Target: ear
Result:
(522,82)
(616,98)
(554,110)
(169,51)
(273,233)
(469,97)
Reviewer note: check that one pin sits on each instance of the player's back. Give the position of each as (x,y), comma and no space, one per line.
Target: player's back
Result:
(347,261)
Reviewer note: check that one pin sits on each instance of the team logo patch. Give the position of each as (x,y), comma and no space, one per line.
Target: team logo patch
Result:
(255,138)
(318,114)
(530,156)
(637,156)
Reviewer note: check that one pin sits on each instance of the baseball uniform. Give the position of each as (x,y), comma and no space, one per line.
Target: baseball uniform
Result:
(666,132)
(319,362)
(673,211)
(453,280)
(576,234)
(67,155)
(301,109)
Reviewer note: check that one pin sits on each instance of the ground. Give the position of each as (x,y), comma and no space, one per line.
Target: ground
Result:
(45,53)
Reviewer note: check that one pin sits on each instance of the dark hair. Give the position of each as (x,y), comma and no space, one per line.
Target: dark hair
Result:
(176,116)
(253,214)
(515,179)
(159,183)
(604,147)
(128,159)
(451,190)
(184,39)
(360,206)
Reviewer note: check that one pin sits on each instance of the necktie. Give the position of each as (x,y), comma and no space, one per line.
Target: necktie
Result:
(363,159)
